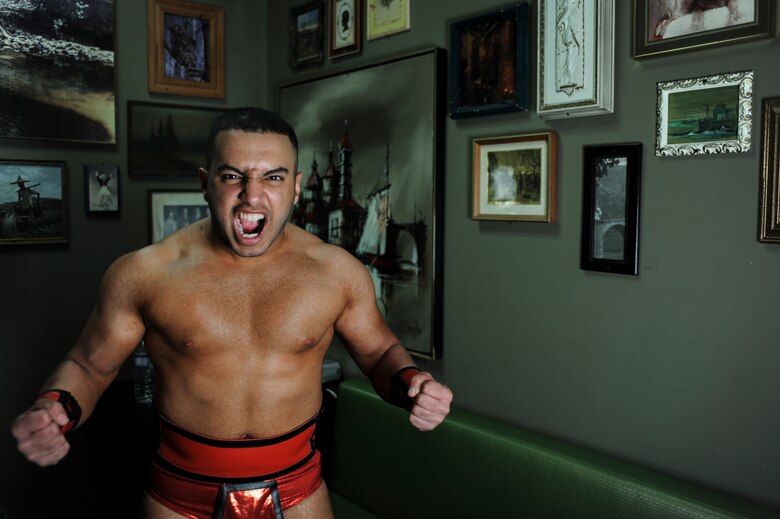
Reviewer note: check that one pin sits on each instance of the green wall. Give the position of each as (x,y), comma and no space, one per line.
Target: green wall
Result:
(674,368)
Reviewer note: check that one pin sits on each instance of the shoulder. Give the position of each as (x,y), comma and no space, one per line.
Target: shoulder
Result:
(332,261)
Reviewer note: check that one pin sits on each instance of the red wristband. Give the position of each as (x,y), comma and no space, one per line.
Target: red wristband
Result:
(399,387)
(69,403)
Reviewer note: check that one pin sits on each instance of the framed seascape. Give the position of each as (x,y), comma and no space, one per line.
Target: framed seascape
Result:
(167,140)
(58,77)
(515,178)
(576,56)
(610,208)
(186,48)
(705,115)
(101,185)
(170,210)
(306,35)
(33,202)
(663,27)
(489,70)
(372,180)
(769,201)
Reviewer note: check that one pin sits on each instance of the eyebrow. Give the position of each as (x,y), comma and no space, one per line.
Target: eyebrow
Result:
(280,169)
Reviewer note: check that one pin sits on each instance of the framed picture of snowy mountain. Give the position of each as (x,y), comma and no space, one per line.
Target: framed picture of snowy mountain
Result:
(58,81)
(372,180)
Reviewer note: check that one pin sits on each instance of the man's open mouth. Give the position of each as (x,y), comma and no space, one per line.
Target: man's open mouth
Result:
(250,225)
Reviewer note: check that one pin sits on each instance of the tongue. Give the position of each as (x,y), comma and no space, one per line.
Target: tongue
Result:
(250,227)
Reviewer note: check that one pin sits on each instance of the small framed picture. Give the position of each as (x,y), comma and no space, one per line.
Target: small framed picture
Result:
(170,211)
(102,188)
(667,27)
(610,208)
(769,208)
(34,202)
(185,46)
(489,71)
(711,114)
(515,178)
(345,27)
(386,17)
(306,35)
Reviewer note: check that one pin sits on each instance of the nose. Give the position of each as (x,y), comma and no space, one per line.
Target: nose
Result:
(253,190)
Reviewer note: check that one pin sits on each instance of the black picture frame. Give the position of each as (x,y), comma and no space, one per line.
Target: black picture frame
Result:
(173,209)
(101,188)
(610,208)
(489,63)
(395,146)
(34,202)
(167,139)
(769,187)
(307,30)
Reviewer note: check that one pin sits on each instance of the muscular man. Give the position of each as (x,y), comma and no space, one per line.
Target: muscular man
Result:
(238,372)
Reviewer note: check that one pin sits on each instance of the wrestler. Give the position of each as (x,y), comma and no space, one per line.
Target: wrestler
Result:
(237,312)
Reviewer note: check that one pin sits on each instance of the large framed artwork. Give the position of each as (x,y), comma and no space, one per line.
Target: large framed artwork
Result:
(576,56)
(58,79)
(515,178)
(171,210)
(489,70)
(705,115)
(306,35)
(185,46)
(610,208)
(769,201)
(166,139)
(33,202)
(372,177)
(663,27)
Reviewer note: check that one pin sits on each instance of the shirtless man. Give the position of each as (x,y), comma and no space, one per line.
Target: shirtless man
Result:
(237,312)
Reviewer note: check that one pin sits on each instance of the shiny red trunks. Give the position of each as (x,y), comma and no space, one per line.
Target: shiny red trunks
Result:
(209,478)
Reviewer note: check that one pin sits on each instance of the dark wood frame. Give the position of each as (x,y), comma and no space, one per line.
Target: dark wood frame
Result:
(89,180)
(186,197)
(307,49)
(515,66)
(10,216)
(594,165)
(213,16)
(644,46)
(769,197)
(357,29)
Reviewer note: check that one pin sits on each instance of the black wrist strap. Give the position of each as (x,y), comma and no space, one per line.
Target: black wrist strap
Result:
(399,387)
(69,403)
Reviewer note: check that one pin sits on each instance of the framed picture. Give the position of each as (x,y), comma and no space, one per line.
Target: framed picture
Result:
(167,140)
(668,26)
(576,57)
(610,208)
(33,202)
(306,35)
(386,17)
(59,80)
(711,114)
(515,178)
(489,71)
(769,202)
(373,172)
(101,182)
(346,21)
(171,210)
(186,48)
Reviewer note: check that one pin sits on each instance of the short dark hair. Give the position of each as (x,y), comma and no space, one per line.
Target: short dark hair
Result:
(250,119)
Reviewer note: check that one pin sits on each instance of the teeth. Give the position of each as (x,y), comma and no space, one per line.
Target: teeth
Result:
(251,217)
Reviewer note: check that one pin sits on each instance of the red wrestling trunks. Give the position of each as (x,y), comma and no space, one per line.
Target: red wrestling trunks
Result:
(208,478)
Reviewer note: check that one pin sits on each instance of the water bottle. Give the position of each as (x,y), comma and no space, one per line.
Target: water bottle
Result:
(144,376)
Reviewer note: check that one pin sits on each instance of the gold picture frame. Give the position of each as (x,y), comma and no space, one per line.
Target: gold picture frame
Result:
(769,208)
(515,178)
(186,48)
(386,17)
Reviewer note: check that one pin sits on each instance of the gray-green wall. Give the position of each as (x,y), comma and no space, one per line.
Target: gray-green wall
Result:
(675,368)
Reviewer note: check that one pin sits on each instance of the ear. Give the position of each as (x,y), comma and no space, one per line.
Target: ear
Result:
(204,182)
(298,177)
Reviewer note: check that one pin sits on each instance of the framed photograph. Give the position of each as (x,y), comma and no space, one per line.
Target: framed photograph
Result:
(346,21)
(515,178)
(306,35)
(186,48)
(489,71)
(576,58)
(33,202)
(372,176)
(59,80)
(664,27)
(167,140)
(769,202)
(711,114)
(171,210)
(101,182)
(386,17)
(610,208)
